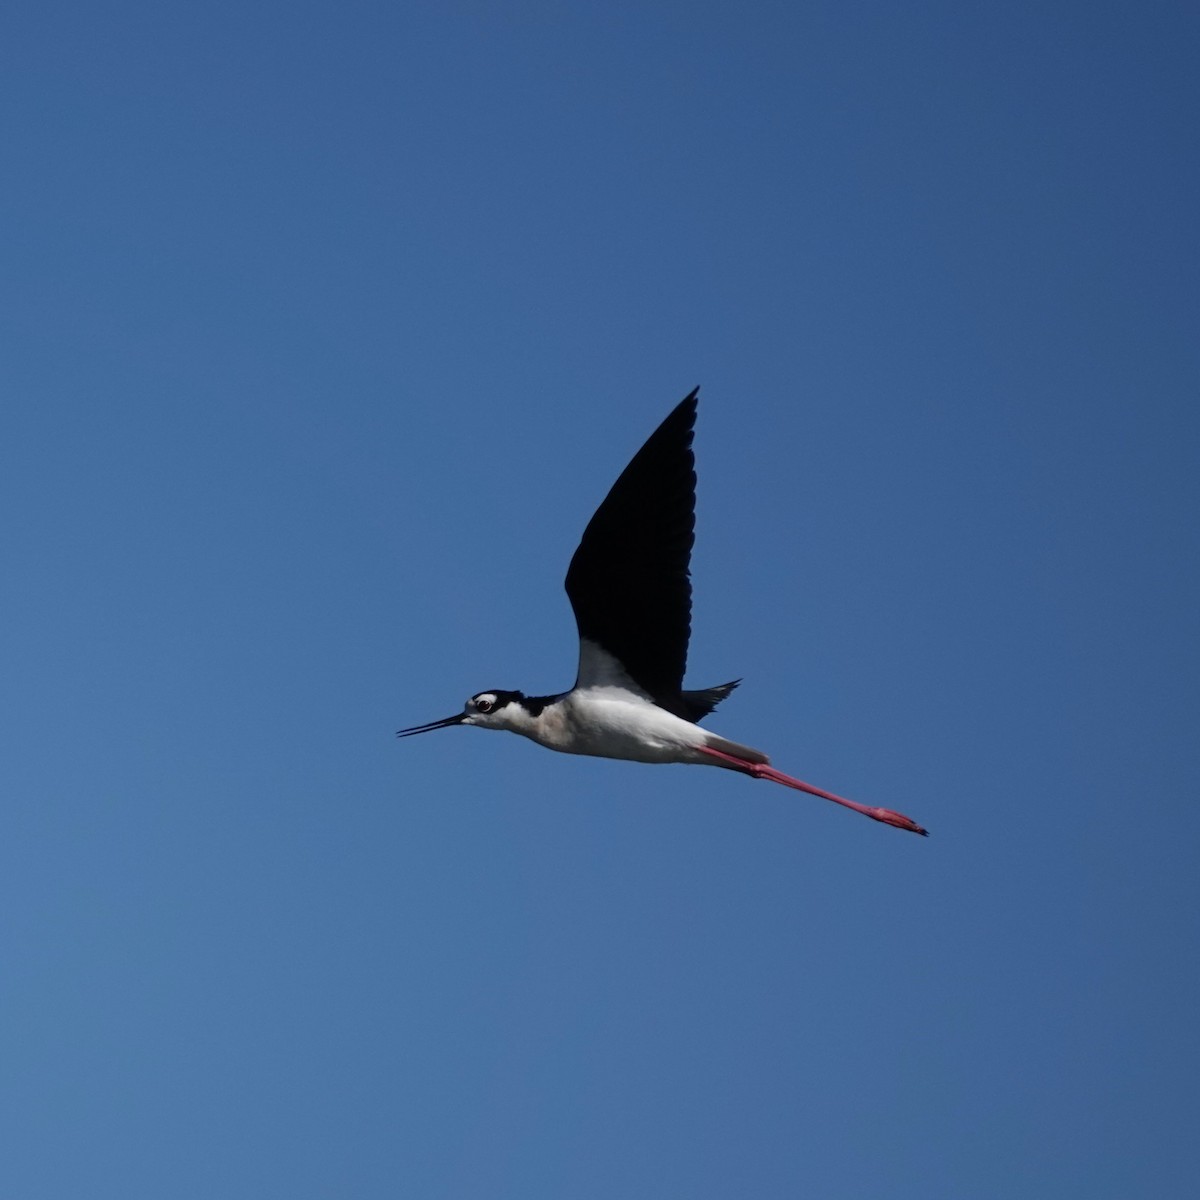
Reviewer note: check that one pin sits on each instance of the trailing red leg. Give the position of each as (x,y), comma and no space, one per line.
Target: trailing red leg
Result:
(762,771)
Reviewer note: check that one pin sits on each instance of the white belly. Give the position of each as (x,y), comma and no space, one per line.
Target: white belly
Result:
(608,723)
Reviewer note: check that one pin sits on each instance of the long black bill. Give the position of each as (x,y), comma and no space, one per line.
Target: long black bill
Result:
(457,719)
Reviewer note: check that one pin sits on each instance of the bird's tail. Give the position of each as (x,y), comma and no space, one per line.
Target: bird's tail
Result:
(699,704)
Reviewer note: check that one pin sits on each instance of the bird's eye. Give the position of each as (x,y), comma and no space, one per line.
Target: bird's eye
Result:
(484,706)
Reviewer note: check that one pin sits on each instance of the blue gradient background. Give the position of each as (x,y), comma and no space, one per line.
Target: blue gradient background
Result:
(326,327)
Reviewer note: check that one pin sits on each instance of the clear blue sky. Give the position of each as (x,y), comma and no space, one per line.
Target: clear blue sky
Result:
(326,327)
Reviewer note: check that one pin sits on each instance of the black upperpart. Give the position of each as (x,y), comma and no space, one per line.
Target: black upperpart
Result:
(533,705)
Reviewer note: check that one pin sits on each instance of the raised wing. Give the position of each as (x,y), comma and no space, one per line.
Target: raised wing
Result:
(628,581)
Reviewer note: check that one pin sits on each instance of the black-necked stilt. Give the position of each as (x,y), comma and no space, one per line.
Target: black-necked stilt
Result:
(628,584)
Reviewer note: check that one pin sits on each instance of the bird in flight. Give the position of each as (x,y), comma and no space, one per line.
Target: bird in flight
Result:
(629,586)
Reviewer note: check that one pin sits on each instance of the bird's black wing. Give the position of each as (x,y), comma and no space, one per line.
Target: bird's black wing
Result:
(628,581)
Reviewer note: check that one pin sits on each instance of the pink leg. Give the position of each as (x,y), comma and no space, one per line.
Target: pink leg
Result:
(762,771)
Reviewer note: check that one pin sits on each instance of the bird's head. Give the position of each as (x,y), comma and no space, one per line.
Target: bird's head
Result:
(495,709)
